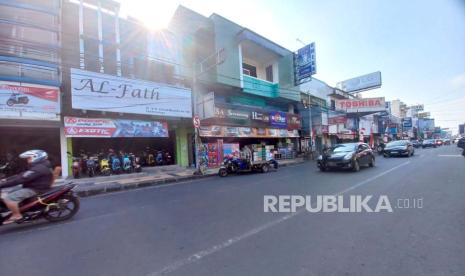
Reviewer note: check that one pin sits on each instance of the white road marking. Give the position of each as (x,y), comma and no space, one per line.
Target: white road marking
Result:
(218,247)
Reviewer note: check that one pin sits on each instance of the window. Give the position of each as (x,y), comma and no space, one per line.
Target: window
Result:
(269,73)
(333,105)
(249,70)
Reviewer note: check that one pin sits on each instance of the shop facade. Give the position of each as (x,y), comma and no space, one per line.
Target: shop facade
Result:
(127,115)
(30,95)
(122,86)
(231,123)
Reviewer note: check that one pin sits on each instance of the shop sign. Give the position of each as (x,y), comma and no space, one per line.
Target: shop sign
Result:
(29,101)
(231,114)
(293,121)
(361,83)
(361,105)
(260,116)
(278,119)
(337,120)
(227,131)
(101,92)
(304,63)
(107,128)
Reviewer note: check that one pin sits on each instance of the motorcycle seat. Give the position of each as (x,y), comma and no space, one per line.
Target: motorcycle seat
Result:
(50,191)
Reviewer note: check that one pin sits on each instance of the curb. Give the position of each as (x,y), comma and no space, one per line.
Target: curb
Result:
(90,189)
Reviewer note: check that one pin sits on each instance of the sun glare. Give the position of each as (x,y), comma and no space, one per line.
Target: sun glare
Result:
(154,14)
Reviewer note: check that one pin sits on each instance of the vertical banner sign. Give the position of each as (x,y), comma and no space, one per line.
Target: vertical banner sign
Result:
(304,63)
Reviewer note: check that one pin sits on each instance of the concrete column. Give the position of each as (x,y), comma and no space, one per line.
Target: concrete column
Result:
(82,64)
(100,36)
(240,65)
(64,156)
(117,41)
(182,155)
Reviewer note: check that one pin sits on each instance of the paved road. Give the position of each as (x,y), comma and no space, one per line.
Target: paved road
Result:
(217,226)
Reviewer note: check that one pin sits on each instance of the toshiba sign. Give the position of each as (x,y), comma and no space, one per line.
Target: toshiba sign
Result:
(361,105)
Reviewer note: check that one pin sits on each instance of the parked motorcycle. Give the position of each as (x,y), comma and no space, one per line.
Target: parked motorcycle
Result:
(127,164)
(135,161)
(104,166)
(115,164)
(75,165)
(57,204)
(16,98)
(91,166)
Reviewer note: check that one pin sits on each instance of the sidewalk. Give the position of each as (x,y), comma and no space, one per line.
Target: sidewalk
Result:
(148,177)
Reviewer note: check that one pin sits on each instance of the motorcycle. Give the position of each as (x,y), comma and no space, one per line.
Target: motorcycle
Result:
(238,165)
(17,99)
(127,164)
(57,204)
(115,164)
(91,166)
(104,166)
(76,167)
(135,162)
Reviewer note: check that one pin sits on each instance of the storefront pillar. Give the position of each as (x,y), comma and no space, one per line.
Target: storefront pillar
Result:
(182,154)
(63,153)
(69,157)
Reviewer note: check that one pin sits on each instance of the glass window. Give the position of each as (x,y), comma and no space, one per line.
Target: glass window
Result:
(269,73)
(28,16)
(249,70)
(13,69)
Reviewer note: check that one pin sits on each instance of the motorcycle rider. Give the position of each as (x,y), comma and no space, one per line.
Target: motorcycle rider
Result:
(37,179)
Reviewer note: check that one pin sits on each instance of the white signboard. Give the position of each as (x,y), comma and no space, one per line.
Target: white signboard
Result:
(29,101)
(361,105)
(101,92)
(364,82)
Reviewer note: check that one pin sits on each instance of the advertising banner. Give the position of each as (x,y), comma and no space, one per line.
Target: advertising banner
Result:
(365,82)
(361,105)
(278,119)
(260,116)
(337,120)
(407,122)
(101,92)
(228,131)
(293,121)
(28,101)
(305,63)
(231,113)
(107,128)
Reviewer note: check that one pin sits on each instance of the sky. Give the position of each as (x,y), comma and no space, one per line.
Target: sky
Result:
(419,46)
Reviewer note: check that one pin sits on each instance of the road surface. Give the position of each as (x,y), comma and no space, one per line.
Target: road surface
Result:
(216,226)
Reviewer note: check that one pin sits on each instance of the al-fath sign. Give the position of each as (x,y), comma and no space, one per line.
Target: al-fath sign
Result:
(361,105)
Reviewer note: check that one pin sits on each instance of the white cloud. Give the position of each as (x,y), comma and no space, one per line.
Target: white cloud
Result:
(458,81)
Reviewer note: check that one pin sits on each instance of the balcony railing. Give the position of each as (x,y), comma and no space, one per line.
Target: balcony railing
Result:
(260,87)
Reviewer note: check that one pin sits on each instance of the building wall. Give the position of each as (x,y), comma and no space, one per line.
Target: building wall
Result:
(30,42)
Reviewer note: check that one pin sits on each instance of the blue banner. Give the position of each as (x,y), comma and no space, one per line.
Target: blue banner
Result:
(305,64)
(278,119)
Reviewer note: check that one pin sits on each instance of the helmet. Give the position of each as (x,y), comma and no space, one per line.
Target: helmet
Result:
(36,155)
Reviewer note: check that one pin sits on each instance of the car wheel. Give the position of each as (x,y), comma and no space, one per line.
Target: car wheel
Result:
(372,162)
(265,168)
(356,166)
